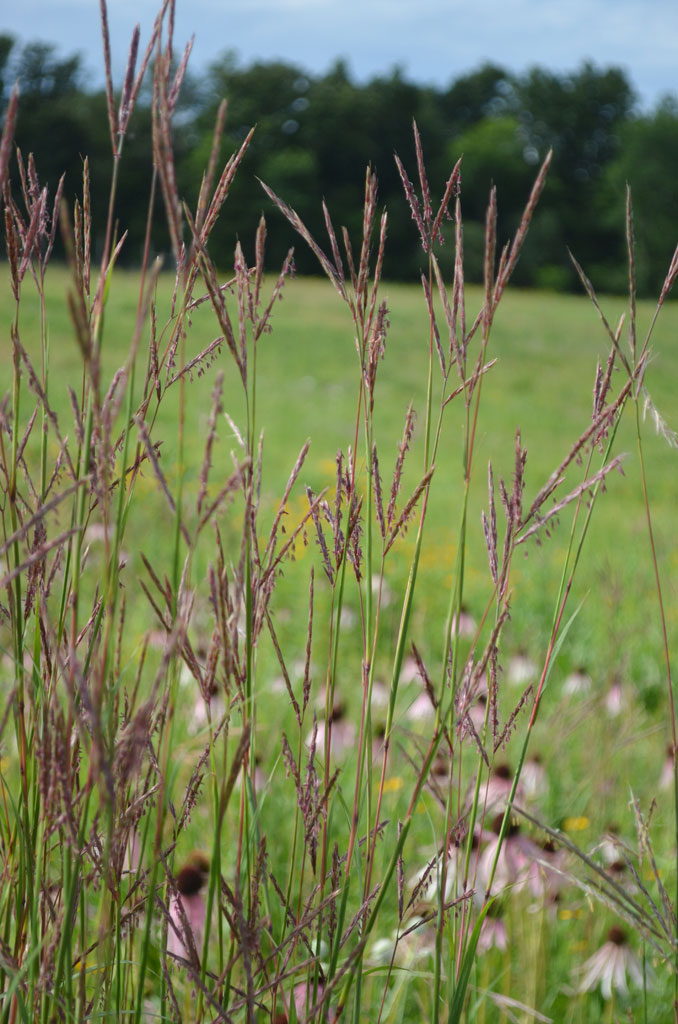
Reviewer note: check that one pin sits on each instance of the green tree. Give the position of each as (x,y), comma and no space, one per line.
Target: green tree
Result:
(647,158)
(487,92)
(7,44)
(492,152)
(579,116)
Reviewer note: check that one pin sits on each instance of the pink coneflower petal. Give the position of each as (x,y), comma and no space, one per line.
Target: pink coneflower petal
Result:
(189,883)
(546,872)
(305,999)
(427,881)
(343,735)
(386,593)
(577,684)
(614,699)
(521,670)
(611,967)
(533,778)
(421,709)
(380,695)
(495,793)
(467,624)
(409,673)
(478,712)
(515,856)
(666,778)
(203,710)
(493,935)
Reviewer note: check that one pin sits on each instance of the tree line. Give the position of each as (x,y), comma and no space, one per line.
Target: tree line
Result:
(315,134)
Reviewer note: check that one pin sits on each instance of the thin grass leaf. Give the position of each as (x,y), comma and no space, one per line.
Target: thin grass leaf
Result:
(462,980)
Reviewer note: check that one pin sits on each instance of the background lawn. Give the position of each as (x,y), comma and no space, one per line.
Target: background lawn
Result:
(546,348)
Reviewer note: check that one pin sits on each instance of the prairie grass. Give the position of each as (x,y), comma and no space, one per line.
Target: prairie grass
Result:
(290,728)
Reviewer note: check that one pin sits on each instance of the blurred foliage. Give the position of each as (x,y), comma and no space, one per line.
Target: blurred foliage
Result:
(315,135)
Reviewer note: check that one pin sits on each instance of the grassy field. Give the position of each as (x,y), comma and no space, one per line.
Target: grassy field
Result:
(335,683)
(546,348)
(596,750)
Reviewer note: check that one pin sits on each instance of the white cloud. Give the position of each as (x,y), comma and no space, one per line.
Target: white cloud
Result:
(434,40)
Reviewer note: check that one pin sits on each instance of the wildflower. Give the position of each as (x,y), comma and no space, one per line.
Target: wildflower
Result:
(421,708)
(545,873)
(380,585)
(348,618)
(413,941)
(576,824)
(260,777)
(533,778)
(382,951)
(666,778)
(409,672)
(513,862)
(577,683)
(380,695)
(498,789)
(615,854)
(493,933)
(478,712)
(619,872)
(610,845)
(440,776)
(305,999)
(521,669)
(615,699)
(210,709)
(342,731)
(612,966)
(187,909)
(467,624)
(426,882)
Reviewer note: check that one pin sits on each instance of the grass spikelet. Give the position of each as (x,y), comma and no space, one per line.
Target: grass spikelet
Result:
(112,112)
(334,274)
(8,134)
(403,448)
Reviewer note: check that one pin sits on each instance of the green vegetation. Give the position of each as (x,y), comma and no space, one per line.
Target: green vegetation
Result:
(375,726)
(547,347)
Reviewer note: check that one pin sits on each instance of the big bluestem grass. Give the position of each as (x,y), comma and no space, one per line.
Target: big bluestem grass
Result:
(302,902)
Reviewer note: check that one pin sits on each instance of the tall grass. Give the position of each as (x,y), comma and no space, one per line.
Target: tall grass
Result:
(312,895)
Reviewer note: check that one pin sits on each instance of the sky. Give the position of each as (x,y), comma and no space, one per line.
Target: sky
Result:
(432,41)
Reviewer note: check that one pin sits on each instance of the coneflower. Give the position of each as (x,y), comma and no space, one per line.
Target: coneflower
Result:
(533,778)
(516,854)
(578,683)
(186,927)
(522,669)
(493,934)
(304,1000)
(612,966)
(496,791)
(205,709)
(343,733)
(545,872)
(467,624)
(615,698)
(421,709)
(666,778)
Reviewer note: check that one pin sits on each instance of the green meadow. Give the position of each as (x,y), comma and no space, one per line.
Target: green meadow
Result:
(545,349)
(598,754)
